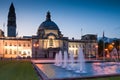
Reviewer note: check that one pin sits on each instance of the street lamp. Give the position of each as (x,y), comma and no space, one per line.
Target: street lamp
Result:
(96,47)
(36,46)
(113,43)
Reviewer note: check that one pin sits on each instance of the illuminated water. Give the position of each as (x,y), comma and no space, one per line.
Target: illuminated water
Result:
(93,69)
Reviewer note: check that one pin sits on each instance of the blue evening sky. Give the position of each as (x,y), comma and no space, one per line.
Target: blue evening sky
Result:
(92,16)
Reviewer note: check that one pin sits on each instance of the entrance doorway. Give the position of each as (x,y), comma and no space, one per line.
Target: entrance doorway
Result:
(54,53)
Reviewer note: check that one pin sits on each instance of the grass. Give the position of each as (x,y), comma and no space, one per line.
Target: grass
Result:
(17,70)
(23,70)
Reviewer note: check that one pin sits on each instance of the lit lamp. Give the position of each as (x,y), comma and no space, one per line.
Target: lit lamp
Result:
(36,46)
(107,55)
(113,43)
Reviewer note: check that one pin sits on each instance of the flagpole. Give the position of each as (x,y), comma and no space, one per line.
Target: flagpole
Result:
(81,33)
(103,47)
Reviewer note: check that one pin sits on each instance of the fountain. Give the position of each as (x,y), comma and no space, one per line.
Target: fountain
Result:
(68,64)
(58,59)
(114,54)
(65,59)
(67,69)
(81,62)
(71,58)
(71,61)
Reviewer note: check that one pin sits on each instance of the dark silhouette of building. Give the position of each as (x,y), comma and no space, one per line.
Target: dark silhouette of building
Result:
(11,25)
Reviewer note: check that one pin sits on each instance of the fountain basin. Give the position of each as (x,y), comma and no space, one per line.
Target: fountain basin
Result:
(96,69)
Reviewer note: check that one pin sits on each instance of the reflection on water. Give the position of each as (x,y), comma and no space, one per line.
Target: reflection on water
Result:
(92,69)
(105,68)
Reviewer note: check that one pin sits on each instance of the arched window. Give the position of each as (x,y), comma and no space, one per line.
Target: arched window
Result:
(10,51)
(24,44)
(28,45)
(14,52)
(51,42)
(19,52)
(6,51)
(5,43)
(10,44)
(76,52)
(19,44)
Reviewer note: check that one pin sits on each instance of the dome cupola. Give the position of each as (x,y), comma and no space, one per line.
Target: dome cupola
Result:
(48,24)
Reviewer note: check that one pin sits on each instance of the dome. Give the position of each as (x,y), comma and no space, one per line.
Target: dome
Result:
(48,24)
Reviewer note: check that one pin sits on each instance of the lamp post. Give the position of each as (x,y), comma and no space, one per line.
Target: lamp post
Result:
(103,51)
(106,52)
(119,51)
(36,46)
(96,47)
(3,48)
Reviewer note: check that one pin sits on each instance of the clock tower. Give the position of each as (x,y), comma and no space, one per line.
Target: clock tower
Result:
(11,24)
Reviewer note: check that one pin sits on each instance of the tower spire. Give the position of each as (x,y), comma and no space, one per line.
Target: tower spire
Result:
(48,16)
(103,34)
(11,24)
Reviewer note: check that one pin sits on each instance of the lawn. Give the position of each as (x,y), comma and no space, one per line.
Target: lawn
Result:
(23,70)
(17,70)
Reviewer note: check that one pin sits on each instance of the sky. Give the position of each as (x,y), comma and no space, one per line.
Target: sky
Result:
(73,17)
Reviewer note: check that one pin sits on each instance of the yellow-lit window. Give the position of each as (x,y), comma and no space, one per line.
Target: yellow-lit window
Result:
(6,51)
(19,44)
(5,43)
(73,46)
(14,52)
(24,44)
(10,51)
(76,52)
(19,52)
(28,45)
(10,44)
(51,42)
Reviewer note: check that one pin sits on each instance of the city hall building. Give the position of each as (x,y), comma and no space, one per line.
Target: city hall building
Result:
(45,44)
